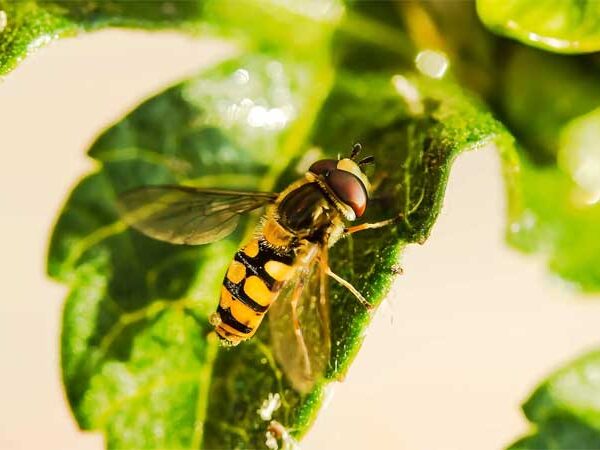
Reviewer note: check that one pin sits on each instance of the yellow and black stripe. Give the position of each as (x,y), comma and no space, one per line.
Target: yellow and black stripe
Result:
(251,284)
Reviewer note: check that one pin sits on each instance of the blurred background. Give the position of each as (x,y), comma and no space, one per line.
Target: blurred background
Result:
(468,330)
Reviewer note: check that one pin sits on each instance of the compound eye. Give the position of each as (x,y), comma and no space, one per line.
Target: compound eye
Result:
(323,166)
(349,189)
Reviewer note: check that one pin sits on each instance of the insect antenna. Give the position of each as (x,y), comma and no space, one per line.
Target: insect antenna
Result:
(356,149)
(366,161)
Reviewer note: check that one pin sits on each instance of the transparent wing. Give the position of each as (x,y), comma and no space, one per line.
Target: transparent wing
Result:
(299,325)
(187,215)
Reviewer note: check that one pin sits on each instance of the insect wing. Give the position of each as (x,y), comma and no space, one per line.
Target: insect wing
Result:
(187,215)
(303,356)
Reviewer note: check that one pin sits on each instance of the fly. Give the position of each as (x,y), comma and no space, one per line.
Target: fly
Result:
(284,268)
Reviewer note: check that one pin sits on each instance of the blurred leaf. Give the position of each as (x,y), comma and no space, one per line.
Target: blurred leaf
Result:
(535,103)
(547,102)
(552,176)
(31,24)
(563,26)
(557,220)
(455,29)
(138,359)
(565,408)
(560,433)
(557,183)
(298,27)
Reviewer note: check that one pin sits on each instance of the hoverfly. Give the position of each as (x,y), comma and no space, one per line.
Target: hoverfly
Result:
(284,267)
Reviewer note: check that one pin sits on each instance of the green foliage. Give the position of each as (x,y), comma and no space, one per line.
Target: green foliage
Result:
(136,303)
(566,408)
(140,362)
(560,162)
(563,26)
(552,177)
(31,24)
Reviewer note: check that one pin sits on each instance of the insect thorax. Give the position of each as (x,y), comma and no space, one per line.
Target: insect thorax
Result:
(307,212)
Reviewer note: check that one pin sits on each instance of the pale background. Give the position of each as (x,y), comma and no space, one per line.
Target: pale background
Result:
(470,329)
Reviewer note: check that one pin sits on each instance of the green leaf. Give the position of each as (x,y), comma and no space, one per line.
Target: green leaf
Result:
(454,29)
(563,26)
(27,25)
(535,103)
(555,207)
(135,303)
(551,178)
(552,175)
(139,360)
(31,24)
(566,408)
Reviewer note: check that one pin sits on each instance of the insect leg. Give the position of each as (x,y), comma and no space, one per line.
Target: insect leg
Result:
(323,304)
(324,262)
(296,322)
(371,226)
(351,288)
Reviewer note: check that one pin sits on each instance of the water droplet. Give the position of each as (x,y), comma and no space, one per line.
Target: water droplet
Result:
(241,76)
(261,117)
(257,117)
(409,93)
(277,431)
(432,63)
(525,223)
(271,441)
(268,407)
(579,155)
(246,102)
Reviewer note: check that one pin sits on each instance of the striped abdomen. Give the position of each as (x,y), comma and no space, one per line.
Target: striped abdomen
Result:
(253,280)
